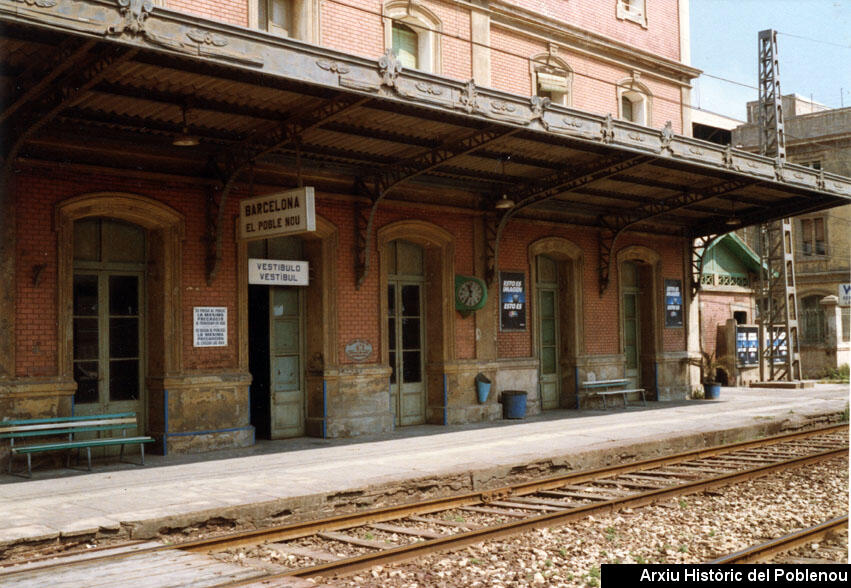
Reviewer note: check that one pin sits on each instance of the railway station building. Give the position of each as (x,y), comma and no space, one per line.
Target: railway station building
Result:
(270,219)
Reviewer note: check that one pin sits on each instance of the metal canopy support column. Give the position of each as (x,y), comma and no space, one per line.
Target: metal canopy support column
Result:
(778,305)
(377,186)
(559,183)
(240,157)
(778,298)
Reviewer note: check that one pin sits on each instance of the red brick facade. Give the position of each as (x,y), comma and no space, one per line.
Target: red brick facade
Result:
(218,377)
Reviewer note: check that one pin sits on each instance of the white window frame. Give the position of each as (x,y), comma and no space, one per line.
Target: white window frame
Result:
(305,19)
(424,22)
(547,64)
(640,97)
(633,10)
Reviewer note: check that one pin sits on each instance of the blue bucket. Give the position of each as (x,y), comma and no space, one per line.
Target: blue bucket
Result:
(712,391)
(513,404)
(483,387)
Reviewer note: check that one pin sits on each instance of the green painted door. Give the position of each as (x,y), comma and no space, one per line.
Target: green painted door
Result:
(286,347)
(548,331)
(406,333)
(286,393)
(631,321)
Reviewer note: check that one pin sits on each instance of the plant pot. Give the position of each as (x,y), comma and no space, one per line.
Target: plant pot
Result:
(483,387)
(711,390)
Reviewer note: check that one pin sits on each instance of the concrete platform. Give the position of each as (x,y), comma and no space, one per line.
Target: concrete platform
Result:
(283,481)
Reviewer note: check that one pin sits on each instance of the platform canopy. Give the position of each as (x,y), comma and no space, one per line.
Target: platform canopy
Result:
(110,84)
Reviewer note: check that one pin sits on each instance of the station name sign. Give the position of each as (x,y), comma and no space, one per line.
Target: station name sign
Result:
(276,215)
(277,272)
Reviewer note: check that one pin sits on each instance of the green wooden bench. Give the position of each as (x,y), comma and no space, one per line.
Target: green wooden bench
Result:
(605,388)
(32,429)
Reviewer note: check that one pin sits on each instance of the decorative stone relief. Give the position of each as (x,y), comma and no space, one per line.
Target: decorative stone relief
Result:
(500,106)
(206,37)
(608,129)
(469,97)
(428,88)
(333,66)
(135,12)
(389,67)
(667,136)
(40,3)
(538,105)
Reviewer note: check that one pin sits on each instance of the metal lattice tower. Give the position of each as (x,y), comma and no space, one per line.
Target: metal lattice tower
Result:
(772,135)
(778,299)
(778,304)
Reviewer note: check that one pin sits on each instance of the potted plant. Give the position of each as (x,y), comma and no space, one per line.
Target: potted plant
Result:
(709,365)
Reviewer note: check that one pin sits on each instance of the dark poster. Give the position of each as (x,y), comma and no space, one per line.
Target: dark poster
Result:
(512,301)
(673,303)
(747,345)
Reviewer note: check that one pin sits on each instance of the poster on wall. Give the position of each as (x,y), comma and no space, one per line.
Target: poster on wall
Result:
(781,349)
(673,303)
(210,326)
(512,301)
(747,345)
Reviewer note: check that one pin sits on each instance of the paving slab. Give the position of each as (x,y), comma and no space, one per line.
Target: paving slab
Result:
(287,480)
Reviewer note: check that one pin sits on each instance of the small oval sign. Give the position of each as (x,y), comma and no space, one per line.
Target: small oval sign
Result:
(358,350)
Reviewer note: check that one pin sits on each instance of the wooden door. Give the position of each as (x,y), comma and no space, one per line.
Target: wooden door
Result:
(548,331)
(406,333)
(286,394)
(630,310)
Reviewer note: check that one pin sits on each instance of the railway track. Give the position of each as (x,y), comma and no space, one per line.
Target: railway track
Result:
(344,544)
(766,551)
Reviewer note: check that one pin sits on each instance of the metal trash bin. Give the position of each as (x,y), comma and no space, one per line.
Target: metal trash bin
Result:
(513,404)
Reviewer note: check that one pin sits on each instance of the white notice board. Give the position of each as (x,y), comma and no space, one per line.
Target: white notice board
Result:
(210,326)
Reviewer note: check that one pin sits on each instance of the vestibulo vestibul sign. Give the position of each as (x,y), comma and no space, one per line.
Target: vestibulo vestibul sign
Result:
(277,272)
(273,215)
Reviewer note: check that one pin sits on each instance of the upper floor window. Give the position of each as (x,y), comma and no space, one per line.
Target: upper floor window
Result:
(406,45)
(552,78)
(298,19)
(634,101)
(813,241)
(412,31)
(634,10)
(276,16)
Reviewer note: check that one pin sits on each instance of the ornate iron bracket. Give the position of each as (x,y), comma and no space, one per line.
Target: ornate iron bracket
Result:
(614,225)
(698,249)
(560,182)
(392,175)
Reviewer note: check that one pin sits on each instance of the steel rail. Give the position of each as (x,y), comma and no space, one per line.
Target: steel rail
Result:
(759,553)
(451,542)
(338,522)
(303,529)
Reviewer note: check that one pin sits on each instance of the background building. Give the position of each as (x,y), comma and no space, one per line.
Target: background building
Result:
(820,138)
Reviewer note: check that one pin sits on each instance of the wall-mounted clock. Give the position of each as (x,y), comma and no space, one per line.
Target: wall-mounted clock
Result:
(470,294)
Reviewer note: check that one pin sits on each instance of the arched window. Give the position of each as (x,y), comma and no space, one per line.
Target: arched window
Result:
(552,78)
(634,101)
(412,31)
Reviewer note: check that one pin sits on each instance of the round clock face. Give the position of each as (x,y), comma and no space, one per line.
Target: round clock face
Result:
(470,293)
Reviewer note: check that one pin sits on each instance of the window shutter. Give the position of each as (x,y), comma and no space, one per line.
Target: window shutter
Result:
(405,45)
(552,83)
